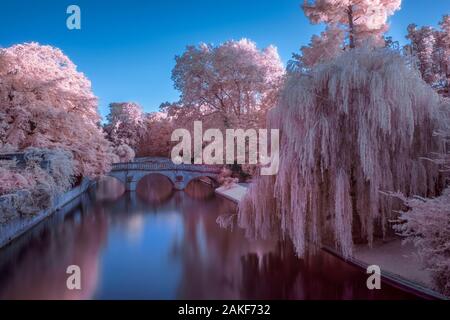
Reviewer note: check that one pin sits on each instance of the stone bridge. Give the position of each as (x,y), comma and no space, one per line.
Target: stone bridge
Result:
(180,175)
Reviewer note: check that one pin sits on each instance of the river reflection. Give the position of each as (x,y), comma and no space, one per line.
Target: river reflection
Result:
(136,246)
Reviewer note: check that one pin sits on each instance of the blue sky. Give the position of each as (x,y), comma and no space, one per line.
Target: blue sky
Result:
(127,47)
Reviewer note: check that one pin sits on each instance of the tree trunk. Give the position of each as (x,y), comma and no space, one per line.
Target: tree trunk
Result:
(351,27)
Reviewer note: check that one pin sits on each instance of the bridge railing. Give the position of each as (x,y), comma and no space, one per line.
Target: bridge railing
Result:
(160,166)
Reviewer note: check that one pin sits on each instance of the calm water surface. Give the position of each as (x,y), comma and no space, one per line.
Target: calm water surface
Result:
(162,245)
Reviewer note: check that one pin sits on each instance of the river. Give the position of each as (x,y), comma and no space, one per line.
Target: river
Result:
(159,244)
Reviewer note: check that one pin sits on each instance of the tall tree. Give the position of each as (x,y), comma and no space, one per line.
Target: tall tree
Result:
(361,19)
(322,48)
(423,46)
(45,102)
(126,124)
(444,52)
(230,85)
(431,49)
(425,223)
(352,127)
(157,138)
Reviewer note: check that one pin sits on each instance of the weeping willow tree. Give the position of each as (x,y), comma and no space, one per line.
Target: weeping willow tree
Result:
(350,129)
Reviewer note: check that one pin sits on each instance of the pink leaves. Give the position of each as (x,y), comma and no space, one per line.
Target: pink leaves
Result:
(126,124)
(12,181)
(230,85)
(427,225)
(431,48)
(352,127)
(324,47)
(124,153)
(30,188)
(361,19)
(48,103)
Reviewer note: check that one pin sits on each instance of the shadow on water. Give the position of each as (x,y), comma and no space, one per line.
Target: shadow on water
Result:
(166,245)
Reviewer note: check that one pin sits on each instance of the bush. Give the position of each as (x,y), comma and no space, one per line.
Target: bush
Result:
(427,226)
(30,187)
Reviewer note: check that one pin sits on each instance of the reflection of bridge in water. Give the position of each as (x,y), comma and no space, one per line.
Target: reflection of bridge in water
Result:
(180,175)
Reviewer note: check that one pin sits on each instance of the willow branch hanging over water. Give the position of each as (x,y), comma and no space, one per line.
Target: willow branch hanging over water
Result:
(350,128)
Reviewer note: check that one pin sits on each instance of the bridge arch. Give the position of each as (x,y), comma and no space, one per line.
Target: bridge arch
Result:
(118,175)
(154,188)
(212,178)
(180,175)
(141,178)
(109,188)
(200,187)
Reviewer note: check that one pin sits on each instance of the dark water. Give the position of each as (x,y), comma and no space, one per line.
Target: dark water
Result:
(163,245)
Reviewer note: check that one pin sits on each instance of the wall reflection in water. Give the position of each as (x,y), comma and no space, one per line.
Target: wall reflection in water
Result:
(159,244)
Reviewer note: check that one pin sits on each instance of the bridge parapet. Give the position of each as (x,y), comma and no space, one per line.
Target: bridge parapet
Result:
(165,166)
(180,175)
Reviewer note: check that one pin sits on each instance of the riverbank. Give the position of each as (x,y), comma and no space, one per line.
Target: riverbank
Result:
(399,263)
(234,192)
(20,225)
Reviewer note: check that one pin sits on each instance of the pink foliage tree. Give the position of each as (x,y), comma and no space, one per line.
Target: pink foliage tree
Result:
(230,85)
(351,128)
(12,180)
(360,19)
(29,188)
(156,141)
(47,103)
(123,153)
(350,24)
(431,48)
(322,48)
(427,225)
(423,46)
(126,124)
(443,54)
(426,222)
(445,35)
